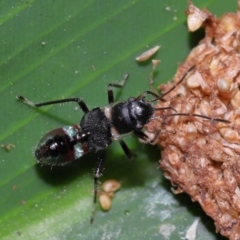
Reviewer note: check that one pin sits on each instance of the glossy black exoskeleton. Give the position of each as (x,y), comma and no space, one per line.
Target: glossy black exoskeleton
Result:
(99,127)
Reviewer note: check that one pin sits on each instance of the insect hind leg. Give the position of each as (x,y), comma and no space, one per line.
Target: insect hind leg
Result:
(97,174)
(79,101)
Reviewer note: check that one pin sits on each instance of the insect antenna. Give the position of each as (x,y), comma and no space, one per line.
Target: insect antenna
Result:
(180,81)
(189,115)
(160,97)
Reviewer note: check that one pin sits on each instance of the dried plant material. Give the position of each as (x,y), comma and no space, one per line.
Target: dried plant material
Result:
(155,62)
(8,146)
(146,55)
(105,202)
(195,17)
(191,232)
(192,81)
(111,186)
(201,157)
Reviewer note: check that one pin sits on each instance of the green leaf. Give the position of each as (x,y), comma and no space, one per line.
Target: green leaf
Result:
(58,49)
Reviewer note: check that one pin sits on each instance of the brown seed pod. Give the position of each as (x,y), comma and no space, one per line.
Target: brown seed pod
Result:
(105,202)
(201,157)
(111,186)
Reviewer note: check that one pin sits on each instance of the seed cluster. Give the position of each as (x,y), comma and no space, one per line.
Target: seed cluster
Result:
(202,157)
(109,188)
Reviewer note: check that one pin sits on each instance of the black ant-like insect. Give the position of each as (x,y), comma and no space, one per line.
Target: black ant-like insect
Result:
(100,126)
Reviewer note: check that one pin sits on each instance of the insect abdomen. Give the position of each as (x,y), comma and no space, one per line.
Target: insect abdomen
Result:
(59,146)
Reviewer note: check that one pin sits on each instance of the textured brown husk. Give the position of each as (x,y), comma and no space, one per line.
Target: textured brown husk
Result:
(202,157)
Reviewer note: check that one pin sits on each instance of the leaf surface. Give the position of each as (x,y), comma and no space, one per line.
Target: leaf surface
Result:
(58,49)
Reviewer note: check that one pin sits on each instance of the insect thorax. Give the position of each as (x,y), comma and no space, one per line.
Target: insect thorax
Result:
(98,127)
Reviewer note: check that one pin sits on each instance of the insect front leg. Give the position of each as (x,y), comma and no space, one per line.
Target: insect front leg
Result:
(126,150)
(145,137)
(118,85)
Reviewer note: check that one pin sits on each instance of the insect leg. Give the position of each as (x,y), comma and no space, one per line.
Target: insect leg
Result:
(97,174)
(118,85)
(126,150)
(79,101)
(144,137)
